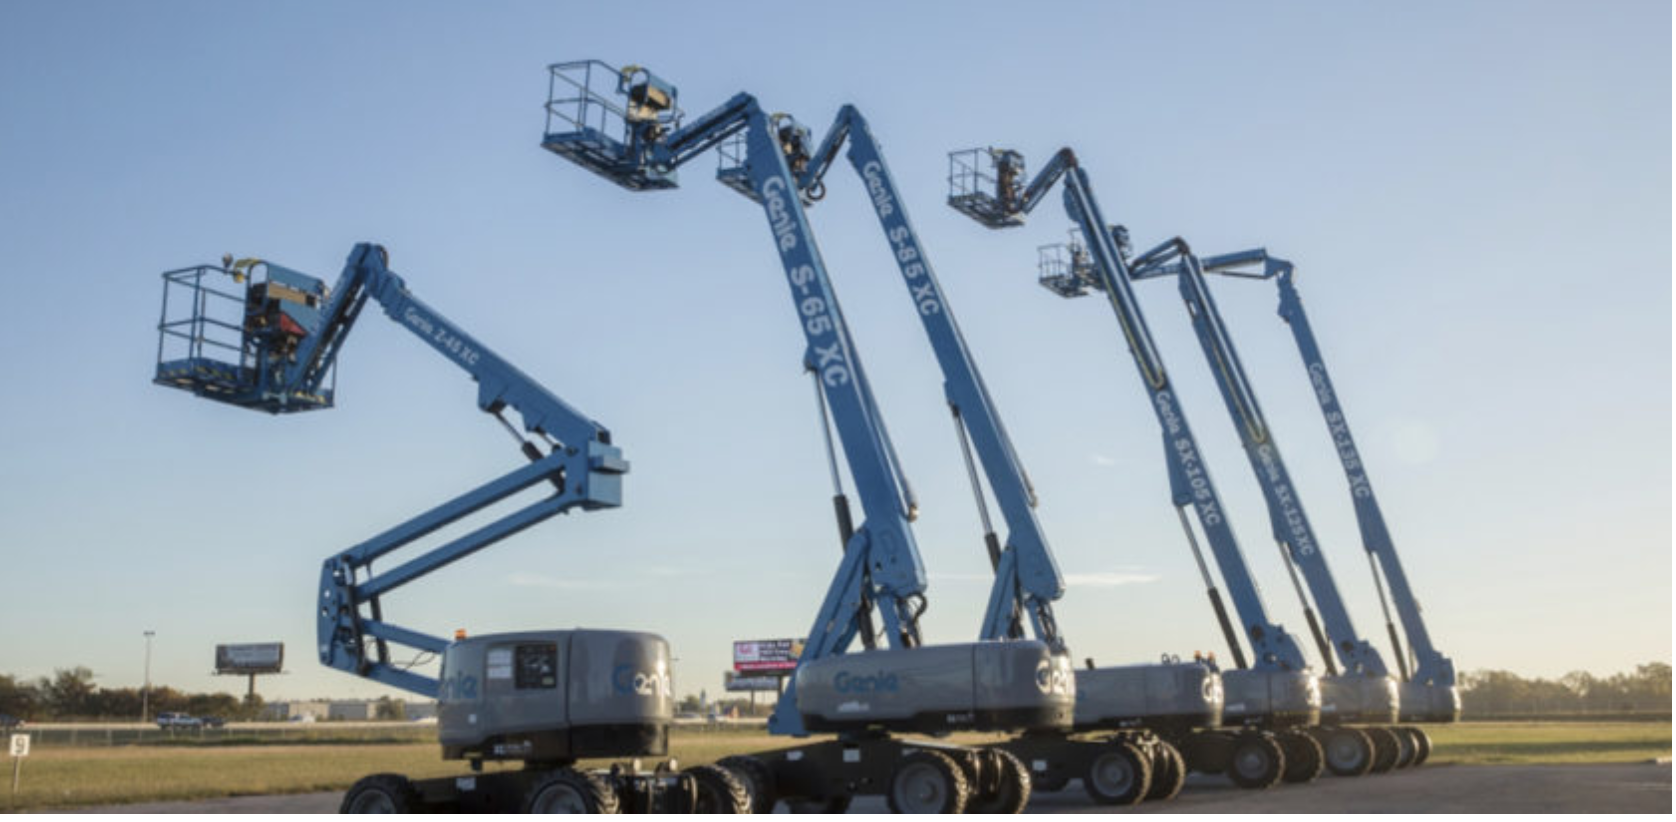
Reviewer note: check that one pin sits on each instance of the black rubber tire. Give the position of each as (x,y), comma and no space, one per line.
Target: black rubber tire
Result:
(758,779)
(381,793)
(1169,772)
(1385,749)
(719,790)
(1256,762)
(927,781)
(834,804)
(1422,744)
(1304,758)
(575,791)
(1407,748)
(1013,792)
(1349,752)
(1120,774)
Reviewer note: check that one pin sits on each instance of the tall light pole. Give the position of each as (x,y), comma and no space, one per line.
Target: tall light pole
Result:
(145,693)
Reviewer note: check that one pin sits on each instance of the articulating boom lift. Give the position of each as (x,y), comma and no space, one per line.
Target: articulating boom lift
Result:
(1428,689)
(546,698)
(1123,767)
(1279,692)
(863,696)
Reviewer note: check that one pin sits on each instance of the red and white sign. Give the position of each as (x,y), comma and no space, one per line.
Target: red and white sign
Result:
(758,655)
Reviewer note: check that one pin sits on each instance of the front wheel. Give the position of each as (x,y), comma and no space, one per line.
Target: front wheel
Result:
(381,793)
(719,791)
(567,790)
(758,779)
(1349,752)
(1422,744)
(1256,762)
(1012,787)
(1118,775)
(1169,773)
(1303,757)
(927,782)
(1386,750)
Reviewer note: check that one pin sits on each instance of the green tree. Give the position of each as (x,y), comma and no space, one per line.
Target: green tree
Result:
(390,709)
(69,693)
(18,698)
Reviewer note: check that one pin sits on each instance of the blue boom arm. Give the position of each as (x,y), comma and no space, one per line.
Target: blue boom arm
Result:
(292,331)
(881,566)
(1190,482)
(1431,667)
(1290,526)
(1027,580)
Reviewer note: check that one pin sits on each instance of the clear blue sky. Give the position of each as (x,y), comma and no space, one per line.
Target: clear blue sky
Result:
(1477,196)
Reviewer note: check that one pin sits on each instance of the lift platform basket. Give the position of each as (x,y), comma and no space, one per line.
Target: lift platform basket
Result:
(588,127)
(973,188)
(1065,269)
(217,343)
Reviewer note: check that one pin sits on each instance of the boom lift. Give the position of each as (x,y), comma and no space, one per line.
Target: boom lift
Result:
(1428,689)
(1128,764)
(1279,693)
(1366,693)
(862,696)
(545,698)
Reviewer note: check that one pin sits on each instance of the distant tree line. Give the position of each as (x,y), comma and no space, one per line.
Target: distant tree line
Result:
(1488,694)
(70,694)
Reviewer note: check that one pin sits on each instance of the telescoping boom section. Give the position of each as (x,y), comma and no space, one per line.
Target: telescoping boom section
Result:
(1428,687)
(626,125)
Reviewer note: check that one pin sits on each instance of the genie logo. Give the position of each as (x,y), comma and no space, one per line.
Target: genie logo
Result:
(882,201)
(417,320)
(879,683)
(625,680)
(779,217)
(1052,679)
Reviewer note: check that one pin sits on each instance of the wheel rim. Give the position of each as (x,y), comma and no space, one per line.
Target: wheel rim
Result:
(1251,762)
(373,801)
(920,788)
(1112,774)
(559,799)
(1345,752)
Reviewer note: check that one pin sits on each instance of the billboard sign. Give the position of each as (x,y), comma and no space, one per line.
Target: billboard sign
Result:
(766,682)
(256,658)
(766,655)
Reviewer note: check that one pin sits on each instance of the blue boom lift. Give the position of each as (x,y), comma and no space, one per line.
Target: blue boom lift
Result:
(626,126)
(1127,763)
(1428,687)
(545,698)
(1365,694)
(1279,692)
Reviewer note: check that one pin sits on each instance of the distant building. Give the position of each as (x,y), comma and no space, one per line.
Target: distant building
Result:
(316,710)
(359,710)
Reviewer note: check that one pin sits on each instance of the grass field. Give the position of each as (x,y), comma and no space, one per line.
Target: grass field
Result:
(59,777)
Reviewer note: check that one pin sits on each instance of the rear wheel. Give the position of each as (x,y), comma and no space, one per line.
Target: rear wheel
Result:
(1304,760)
(758,779)
(1385,748)
(1422,744)
(1169,772)
(1118,775)
(567,790)
(381,793)
(1256,762)
(1012,789)
(1407,749)
(927,782)
(719,791)
(1349,752)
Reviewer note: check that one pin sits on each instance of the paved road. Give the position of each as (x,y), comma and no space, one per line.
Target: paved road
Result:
(1639,788)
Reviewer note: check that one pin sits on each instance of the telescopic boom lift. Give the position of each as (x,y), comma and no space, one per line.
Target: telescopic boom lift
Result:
(540,697)
(633,135)
(1278,691)
(1428,687)
(1128,764)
